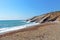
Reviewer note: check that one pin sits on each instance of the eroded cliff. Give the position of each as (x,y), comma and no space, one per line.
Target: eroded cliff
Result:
(49,17)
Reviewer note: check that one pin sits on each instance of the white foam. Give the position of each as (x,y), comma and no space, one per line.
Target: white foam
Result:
(5,30)
(28,21)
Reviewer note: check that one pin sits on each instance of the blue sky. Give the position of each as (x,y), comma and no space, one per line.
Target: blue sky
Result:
(23,9)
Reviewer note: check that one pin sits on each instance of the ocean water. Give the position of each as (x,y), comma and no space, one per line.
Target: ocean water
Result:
(11,23)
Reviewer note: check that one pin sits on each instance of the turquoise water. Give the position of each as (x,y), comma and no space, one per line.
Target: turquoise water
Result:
(11,23)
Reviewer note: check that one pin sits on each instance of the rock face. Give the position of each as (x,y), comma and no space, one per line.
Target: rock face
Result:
(52,16)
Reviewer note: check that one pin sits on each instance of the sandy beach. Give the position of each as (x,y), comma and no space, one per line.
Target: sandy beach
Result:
(46,31)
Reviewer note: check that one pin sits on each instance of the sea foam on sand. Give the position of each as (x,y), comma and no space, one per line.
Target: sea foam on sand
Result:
(6,30)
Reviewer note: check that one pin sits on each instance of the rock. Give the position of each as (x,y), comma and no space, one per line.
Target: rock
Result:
(49,17)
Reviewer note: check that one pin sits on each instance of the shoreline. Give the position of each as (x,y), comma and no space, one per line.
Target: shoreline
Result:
(29,32)
(27,28)
(8,30)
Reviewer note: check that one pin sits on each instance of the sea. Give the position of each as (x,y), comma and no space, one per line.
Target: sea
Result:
(12,25)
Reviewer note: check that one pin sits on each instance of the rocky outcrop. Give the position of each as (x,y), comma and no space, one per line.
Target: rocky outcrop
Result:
(49,17)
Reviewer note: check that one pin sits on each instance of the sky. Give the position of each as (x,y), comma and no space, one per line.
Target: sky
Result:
(24,9)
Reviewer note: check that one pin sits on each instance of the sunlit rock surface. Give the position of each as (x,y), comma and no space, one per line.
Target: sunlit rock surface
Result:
(52,16)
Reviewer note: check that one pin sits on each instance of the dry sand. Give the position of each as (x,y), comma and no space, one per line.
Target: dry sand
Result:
(45,31)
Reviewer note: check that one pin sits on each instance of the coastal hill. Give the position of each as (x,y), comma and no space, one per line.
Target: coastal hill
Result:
(49,17)
(48,29)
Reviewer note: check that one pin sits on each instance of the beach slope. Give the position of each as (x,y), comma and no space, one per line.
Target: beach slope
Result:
(46,31)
